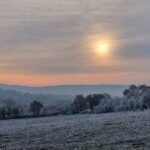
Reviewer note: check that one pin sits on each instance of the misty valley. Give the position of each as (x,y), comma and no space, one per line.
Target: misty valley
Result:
(58,122)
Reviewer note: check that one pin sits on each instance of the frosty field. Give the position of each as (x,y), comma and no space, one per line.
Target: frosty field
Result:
(113,131)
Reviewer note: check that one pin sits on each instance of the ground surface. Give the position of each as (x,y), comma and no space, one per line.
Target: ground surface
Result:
(114,131)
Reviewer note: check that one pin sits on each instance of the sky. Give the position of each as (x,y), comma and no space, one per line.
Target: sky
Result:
(52,42)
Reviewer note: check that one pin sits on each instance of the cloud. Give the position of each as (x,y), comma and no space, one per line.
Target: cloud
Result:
(46,37)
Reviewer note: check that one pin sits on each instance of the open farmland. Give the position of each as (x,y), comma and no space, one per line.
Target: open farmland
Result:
(130,130)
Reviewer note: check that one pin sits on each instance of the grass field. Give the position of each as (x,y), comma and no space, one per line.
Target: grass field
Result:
(113,131)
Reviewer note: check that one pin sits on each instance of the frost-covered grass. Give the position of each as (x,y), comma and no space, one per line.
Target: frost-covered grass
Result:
(130,130)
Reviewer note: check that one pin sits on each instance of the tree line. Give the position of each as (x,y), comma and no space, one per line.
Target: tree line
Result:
(134,98)
(10,110)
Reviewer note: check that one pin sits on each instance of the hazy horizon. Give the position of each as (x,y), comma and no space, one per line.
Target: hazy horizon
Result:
(54,42)
(49,85)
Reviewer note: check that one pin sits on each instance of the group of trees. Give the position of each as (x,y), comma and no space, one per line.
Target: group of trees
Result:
(9,109)
(134,98)
(88,103)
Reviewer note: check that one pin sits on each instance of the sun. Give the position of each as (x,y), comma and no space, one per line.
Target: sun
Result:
(102,48)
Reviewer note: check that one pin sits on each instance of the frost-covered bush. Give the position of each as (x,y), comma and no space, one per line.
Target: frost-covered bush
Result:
(106,105)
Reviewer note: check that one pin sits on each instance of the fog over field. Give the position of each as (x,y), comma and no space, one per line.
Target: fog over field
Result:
(114,90)
(84,122)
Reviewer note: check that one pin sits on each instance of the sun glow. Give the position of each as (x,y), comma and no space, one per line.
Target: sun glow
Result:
(102,48)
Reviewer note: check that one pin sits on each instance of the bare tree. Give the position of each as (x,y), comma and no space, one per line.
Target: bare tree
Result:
(35,107)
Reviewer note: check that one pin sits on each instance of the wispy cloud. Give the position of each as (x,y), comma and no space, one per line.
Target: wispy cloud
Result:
(47,37)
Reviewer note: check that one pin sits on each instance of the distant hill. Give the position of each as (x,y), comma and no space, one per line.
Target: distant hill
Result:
(24,98)
(114,90)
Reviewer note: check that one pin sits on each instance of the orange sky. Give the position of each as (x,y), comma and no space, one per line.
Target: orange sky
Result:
(113,78)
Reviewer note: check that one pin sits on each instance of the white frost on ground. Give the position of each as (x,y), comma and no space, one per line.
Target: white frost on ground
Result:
(130,130)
